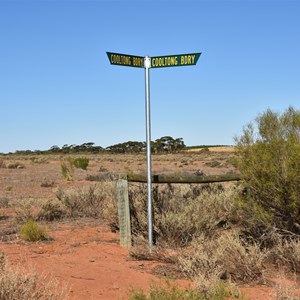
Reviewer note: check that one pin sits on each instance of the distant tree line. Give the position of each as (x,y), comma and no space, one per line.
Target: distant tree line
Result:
(165,144)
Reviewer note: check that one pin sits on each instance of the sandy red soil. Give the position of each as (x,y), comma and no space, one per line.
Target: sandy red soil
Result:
(87,259)
(85,255)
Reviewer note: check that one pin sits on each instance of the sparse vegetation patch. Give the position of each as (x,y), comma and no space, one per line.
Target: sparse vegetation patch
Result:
(170,291)
(15,165)
(31,231)
(16,284)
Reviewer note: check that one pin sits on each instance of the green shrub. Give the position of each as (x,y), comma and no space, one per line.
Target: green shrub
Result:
(269,162)
(81,163)
(69,164)
(170,291)
(32,232)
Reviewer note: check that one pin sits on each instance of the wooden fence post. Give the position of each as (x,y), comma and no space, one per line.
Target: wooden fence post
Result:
(123,213)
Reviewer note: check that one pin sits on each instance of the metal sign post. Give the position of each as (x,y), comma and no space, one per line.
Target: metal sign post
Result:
(147,63)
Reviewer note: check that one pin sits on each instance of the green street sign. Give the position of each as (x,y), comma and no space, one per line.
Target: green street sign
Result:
(147,63)
(178,60)
(125,60)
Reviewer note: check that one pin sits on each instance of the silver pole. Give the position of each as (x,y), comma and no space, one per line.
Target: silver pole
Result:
(147,64)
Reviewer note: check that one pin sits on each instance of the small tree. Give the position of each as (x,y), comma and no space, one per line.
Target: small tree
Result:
(269,161)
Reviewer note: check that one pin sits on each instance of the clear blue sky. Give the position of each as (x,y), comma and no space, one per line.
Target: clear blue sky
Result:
(57,86)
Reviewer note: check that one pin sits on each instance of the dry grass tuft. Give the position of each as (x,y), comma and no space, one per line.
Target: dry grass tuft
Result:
(27,209)
(2,163)
(183,212)
(284,290)
(211,259)
(285,252)
(16,285)
(140,251)
(90,201)
(39,210)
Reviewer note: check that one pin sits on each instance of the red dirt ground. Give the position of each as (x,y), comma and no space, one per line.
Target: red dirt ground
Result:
(87,258)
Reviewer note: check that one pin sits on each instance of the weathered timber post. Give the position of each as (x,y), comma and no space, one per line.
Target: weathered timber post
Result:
(123,213)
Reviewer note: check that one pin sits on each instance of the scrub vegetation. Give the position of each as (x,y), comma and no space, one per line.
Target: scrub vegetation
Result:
(218,235)
(16,284)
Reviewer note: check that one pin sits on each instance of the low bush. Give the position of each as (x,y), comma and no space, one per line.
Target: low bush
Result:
(69,164)
(27,209)
(183,212)
(39,160)
(4,202)
(227,257)
(140,251)
(101,176)
(67,169)
(9,188)
(16,284)
(284,250)
(51,209)
(80,163)
(213,164)
(2,163)
(31,231)
(15,165)
(90,201)
(47,183)
(103,169)
(39,210)
(170,291)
